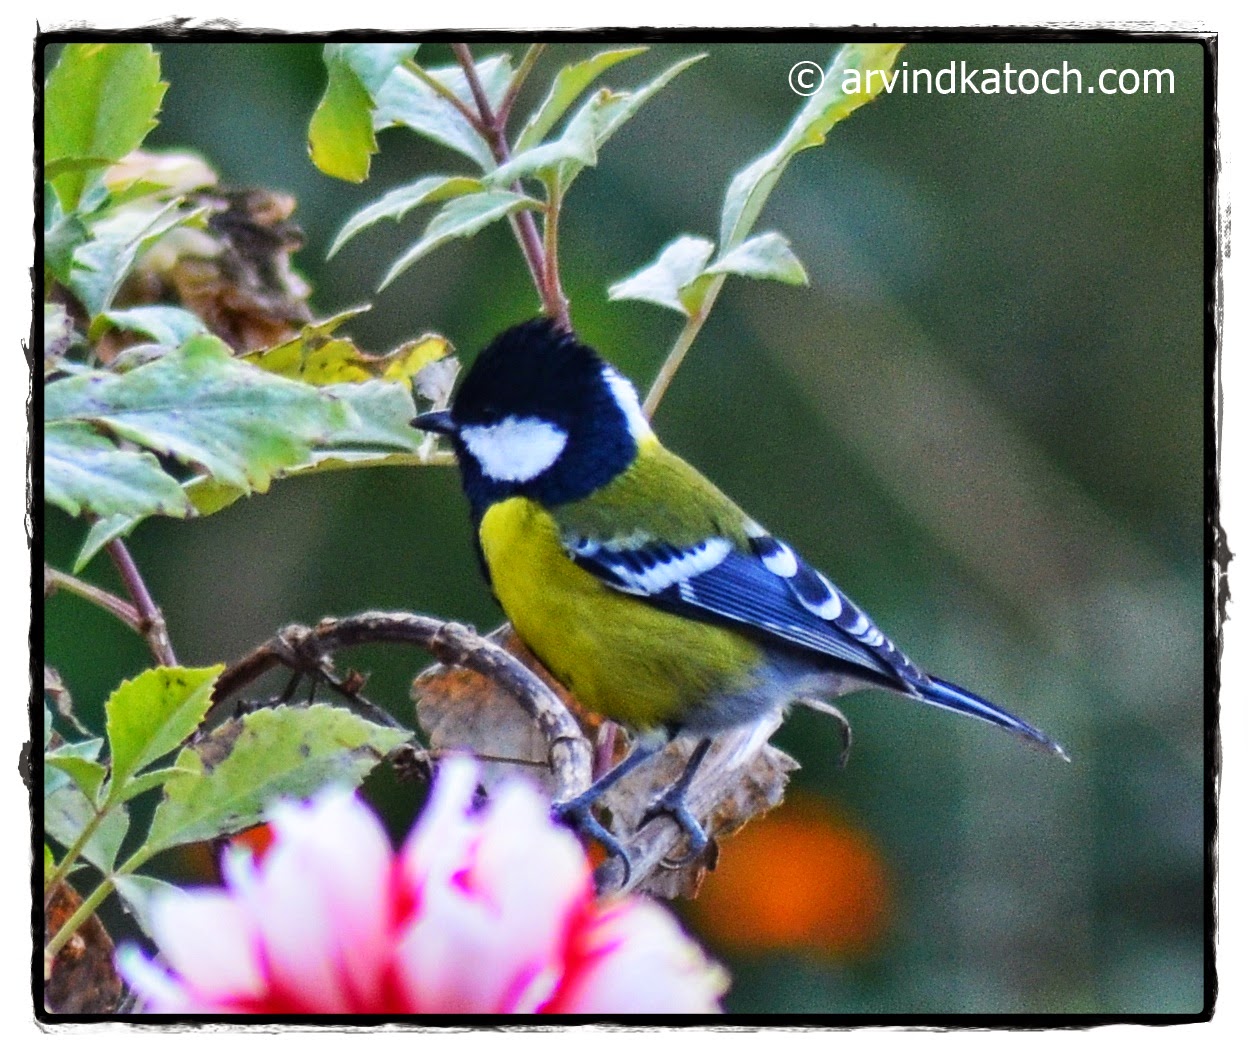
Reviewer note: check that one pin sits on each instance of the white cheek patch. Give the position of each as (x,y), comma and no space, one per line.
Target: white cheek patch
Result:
(515,449)
(626,397)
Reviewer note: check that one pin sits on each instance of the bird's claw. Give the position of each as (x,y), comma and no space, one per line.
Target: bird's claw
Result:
(672,804)
(578,816)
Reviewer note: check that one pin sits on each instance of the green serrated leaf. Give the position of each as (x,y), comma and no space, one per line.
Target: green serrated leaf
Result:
(203,407)
(377,432)
(101,101)
(575,147)
(567,86)
(78,762)
(832,103)
(152,779)
(404,99)
(148,716)
(66,814)
(340,136)
(398,202)
(461,217)
(766,256)
(166,325)
(101,534)
(678,265)
(245,765)
(86,473)
(49,864)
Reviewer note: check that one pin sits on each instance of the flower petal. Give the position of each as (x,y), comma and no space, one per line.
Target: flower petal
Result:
(157,990)
(495,904)
(634,958)
(321,903)
(486,910)
(439,840)
(210,940)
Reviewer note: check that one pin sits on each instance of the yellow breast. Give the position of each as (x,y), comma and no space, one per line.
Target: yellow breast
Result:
(618,654)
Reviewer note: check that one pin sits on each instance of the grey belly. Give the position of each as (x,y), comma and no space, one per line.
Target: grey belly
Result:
(783,680)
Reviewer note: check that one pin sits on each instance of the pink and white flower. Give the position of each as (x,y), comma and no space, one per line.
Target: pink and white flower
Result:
(488,911)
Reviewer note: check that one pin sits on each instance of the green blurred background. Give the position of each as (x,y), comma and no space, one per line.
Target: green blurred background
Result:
(983,419)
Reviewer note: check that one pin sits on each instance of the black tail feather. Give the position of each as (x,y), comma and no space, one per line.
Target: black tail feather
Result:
(952,697)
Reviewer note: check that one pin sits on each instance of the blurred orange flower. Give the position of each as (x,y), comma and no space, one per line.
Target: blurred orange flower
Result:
(803,878)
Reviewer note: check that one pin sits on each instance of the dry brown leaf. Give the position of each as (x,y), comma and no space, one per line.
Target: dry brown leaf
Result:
(236,275)
(462,710)
(82,978)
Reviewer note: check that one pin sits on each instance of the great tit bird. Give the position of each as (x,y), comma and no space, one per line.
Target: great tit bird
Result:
(645,590)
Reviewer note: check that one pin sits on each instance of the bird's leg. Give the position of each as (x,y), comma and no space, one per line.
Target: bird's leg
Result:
(577,813)
(672,802)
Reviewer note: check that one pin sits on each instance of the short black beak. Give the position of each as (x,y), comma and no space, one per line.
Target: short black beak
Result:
(436,422)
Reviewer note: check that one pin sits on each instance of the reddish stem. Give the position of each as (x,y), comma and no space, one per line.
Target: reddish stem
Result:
(152,622)
(545,275)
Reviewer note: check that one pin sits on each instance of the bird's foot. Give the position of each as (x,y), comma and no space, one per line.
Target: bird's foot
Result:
(672,804)
(577,815)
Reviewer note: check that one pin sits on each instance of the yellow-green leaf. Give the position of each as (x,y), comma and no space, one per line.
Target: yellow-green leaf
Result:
(340,137)
(149,716)
(341,361)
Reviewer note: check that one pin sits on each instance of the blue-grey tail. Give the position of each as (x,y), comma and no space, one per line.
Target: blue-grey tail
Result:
(952,697)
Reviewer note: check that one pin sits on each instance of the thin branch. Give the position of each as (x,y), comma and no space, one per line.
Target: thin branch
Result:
(552,290)
(307,649)
(523,225)
(741,778)
(55,580)
(152,622)
(680,348)
(464,56)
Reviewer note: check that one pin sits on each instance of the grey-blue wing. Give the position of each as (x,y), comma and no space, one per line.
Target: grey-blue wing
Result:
(768,590)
